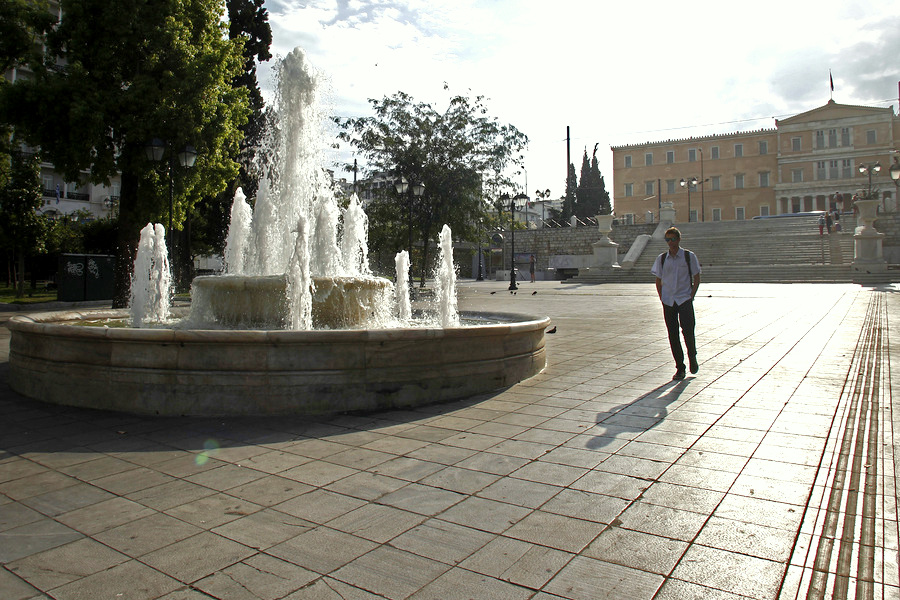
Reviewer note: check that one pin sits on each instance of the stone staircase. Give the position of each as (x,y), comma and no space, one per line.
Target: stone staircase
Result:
(781,250)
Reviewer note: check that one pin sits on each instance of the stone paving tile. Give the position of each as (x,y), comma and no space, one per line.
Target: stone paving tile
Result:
(322,549)
(320,506)
(198,556)
(367,486)
(638,550)
(64,564)
(259,577)
(147,534)
(517,562)
(213,510)
(169,495)
(390,572)
(586,578)
(14,588)
(130,579)
(730,572)
(461,584)
(442,541)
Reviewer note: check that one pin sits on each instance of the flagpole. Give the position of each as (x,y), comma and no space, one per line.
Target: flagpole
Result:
(831,83)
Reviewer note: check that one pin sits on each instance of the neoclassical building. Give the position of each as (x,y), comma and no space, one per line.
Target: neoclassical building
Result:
(808,162)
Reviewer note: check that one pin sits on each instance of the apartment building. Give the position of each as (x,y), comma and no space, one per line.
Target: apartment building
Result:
(807,162)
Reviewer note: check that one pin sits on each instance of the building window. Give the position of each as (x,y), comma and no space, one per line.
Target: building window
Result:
(739,181)
(717,214)
(693,216)
(764,147)
(846,168)
(47,182)
(820,139)
(627,161)
(648,188)
(796,175)
(648,159)
(832,138)
(629,190)
(739,213)
(692,155)
(716,181)
(795,144)
(764,210)
(833,170)
(670,186)
(764,179)
(871,138)
(629,218)
(738,150)
(845,136)
(714,152)
(820,170)
(670,157)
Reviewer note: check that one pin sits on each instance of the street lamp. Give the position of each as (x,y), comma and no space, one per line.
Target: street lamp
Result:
(895,172)
(402,186)
(869,169)
(512,229)
(156,150)
(690,182)
(543,195)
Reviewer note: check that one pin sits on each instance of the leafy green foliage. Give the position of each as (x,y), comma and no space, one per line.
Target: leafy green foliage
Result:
(461,155)
(591,196)
(132,71)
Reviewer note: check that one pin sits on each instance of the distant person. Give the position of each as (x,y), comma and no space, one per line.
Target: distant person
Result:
(531,267)
(677,279)
(837,221)
(821,224)
(828,221)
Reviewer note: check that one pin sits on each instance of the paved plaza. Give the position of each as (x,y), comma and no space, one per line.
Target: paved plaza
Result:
(769,474)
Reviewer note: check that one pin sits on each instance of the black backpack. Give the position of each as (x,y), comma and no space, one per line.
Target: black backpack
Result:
(687,259)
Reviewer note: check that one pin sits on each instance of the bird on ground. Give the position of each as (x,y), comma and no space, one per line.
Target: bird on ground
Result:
(534,292)
(552,329)
(494,292)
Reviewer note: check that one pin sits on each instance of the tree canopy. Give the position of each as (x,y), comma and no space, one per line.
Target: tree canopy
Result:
(462,156)
(118,74)
(591,196)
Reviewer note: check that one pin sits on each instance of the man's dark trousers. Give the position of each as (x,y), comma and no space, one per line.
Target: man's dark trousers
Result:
(684,314)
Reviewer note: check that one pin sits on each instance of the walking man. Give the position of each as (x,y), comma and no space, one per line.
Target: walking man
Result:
(677,279)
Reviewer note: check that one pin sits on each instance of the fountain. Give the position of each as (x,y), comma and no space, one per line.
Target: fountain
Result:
(298,324)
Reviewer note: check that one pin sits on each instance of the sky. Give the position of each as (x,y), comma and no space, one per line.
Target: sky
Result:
(614,73)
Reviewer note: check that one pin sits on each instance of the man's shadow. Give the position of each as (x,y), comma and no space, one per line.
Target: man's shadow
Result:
(650,410)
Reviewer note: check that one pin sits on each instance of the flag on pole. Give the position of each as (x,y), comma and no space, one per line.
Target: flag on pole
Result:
(831,80)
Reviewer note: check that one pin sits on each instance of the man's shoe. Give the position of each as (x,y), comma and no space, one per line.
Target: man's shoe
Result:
(694,366)
(679,375)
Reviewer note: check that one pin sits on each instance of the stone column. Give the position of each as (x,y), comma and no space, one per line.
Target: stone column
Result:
(868,255)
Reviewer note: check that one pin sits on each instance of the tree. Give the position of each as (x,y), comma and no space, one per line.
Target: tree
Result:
(133,71)
(592,197)
(22,229)
(247,20)
(461,156)
(22,23)
(568,207)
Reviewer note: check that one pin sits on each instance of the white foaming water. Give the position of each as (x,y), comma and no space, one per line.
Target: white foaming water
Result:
(238,240)
(297,228)
(445,281)
(401,288)
(151,280)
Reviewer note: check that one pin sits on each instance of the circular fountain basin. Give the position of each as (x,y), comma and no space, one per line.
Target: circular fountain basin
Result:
(266,372)
(260,301)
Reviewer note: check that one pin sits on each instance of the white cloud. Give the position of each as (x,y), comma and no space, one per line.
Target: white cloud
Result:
(617,73)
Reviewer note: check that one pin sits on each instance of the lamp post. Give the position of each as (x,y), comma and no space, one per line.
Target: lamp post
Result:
(688,183)
(512,229)
(895,172)
(543,195)
(403,188)
(156,150)
(869,169)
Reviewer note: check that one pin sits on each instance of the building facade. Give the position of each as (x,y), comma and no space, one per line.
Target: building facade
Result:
(808,162)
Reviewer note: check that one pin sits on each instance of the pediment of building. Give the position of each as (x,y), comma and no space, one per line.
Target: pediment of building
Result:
(832,111)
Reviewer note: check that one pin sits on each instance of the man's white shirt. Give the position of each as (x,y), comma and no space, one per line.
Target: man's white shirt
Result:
(676,281)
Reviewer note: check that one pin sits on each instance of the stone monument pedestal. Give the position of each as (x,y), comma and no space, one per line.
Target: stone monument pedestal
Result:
(667,213)
(868,252)
(606,251)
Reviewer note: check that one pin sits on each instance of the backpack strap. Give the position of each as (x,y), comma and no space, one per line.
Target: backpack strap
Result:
(687,259)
